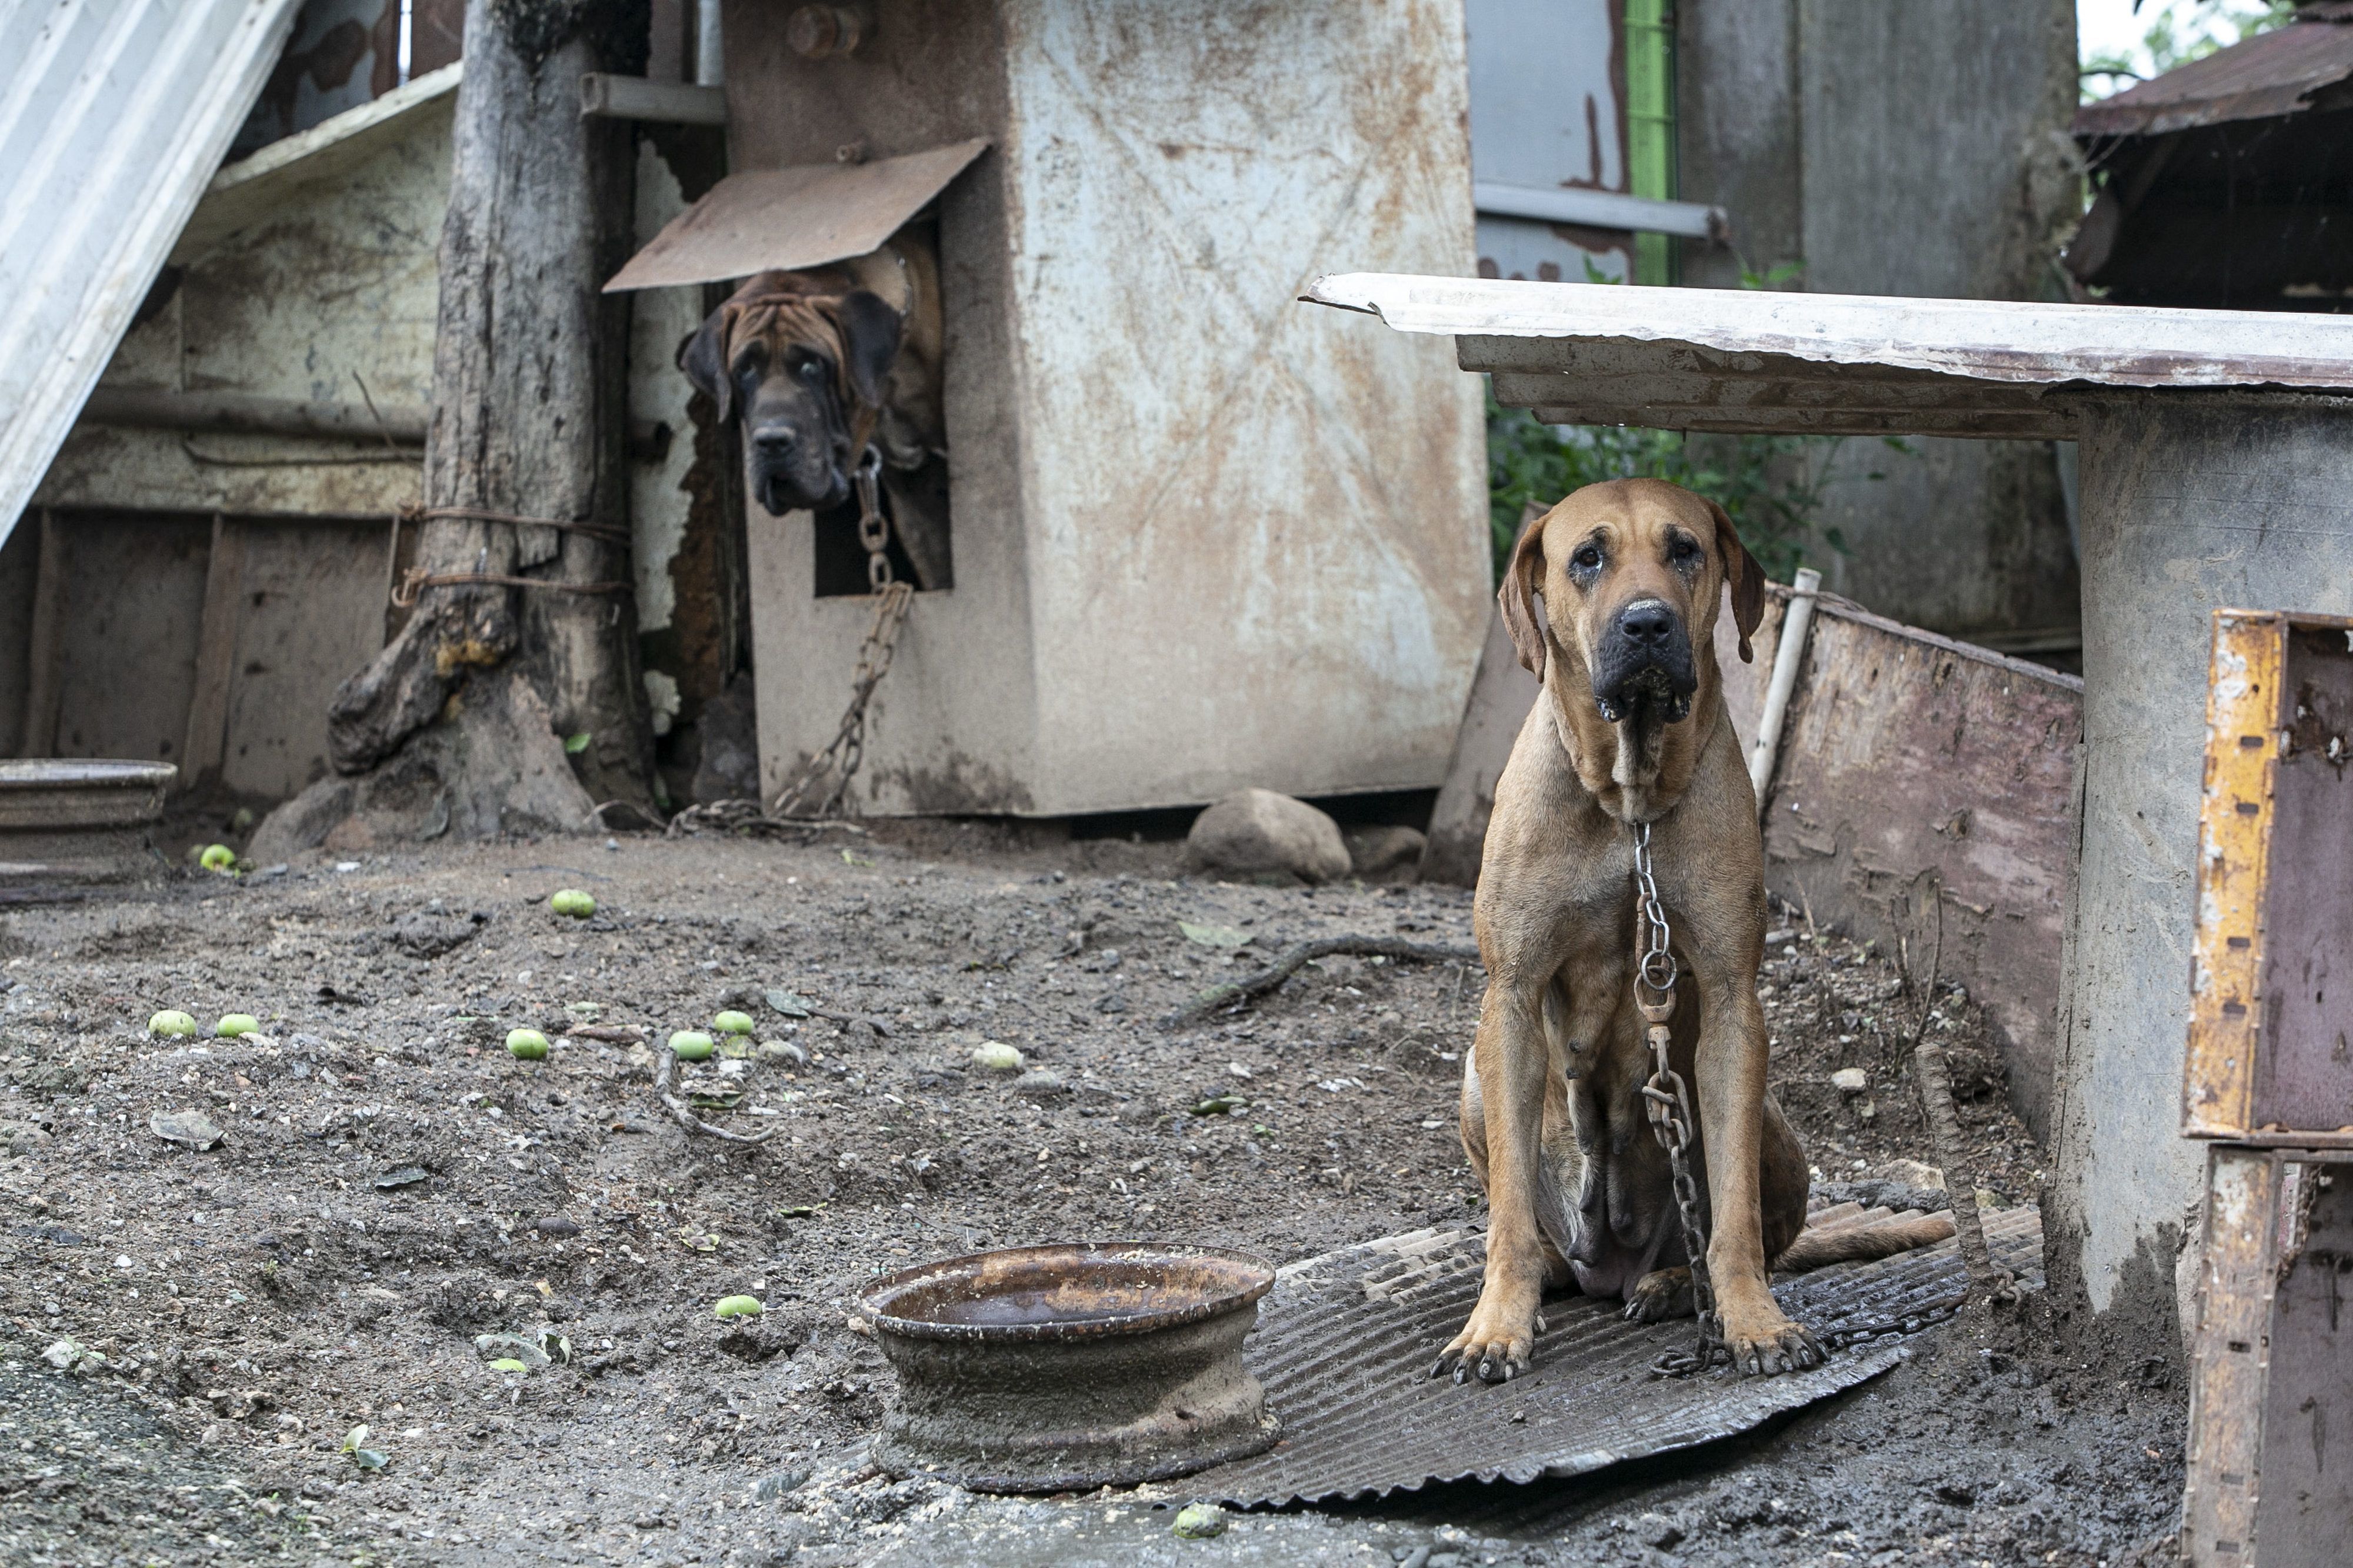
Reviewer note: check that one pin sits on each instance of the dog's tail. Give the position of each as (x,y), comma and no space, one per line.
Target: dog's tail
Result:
(1864,1243)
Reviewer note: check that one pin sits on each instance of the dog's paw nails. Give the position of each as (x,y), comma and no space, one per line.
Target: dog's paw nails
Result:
(1461,1371)
(1540,1325)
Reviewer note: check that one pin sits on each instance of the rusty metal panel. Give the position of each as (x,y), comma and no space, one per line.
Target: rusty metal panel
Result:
(802,216)
(113,115)
(1547,114)
(2268,1059)
(1345,1342)
(1921,798)
(2270,74)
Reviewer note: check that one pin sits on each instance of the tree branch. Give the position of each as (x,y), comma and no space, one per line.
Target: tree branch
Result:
(1290,964)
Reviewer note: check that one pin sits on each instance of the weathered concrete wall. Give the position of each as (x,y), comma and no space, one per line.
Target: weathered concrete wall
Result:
(1910,149)
(1203,538)
(2189,505)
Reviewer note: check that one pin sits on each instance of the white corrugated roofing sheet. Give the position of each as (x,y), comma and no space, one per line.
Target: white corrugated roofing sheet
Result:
(115,114)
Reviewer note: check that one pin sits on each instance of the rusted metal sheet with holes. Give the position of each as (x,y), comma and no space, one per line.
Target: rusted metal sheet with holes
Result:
(2268,1059)
(2270,1378)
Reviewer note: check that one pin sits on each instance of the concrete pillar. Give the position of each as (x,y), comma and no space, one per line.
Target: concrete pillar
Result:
(2190,502)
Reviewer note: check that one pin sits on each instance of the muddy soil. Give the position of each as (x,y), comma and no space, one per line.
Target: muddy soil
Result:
(389,1184)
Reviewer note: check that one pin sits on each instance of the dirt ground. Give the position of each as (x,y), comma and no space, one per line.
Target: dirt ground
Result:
(390,1183)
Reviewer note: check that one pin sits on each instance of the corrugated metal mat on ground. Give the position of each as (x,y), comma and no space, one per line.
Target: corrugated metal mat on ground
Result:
(1345,1342)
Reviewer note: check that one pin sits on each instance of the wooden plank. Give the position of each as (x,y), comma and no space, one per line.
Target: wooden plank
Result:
(44,682)
(2305,1495)
(200,759)
(1912,763)
(2304,1061)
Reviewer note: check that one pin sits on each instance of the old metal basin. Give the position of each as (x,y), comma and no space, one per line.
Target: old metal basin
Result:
(1042,1369)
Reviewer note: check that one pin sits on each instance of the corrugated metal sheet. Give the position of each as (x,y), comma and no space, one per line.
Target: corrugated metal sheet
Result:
(113,116)
(1345,1342)
(2274,73)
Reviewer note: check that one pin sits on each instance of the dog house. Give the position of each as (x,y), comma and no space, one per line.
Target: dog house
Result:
(2216,450)
(1199,539)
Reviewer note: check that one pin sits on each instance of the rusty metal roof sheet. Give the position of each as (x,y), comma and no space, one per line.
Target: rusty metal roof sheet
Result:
(113,115)
(1743,360)
(2271,74)
(1345,1342)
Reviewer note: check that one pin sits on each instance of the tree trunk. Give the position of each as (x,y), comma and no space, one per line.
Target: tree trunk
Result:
(461,723)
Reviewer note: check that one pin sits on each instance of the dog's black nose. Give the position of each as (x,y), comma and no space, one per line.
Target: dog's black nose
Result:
(1650,623)
(775,440)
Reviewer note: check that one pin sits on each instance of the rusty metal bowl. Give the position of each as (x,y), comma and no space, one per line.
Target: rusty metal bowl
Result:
(1044,1369)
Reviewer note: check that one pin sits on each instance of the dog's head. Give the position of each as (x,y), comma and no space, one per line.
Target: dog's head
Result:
(1629,574)
(801,358)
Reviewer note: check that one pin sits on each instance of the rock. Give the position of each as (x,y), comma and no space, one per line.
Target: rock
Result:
(193,1128)
(1384,854)
(64,1354)
(1850,1080)
(996,1056)
(1912,1173)
(304,822)
(1257,830)
(1041,1084)
(1658,1531)
(21,1137)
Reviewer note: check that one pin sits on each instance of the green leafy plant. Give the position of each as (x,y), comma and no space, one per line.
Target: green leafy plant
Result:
(1772,487)
(2178,31)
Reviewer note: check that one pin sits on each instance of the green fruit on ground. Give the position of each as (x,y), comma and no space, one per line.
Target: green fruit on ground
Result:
(740,1307)
(235,1024)
(573,902)
(996,1056)
(216,858)
(527,1044)
(691,1045)
(171,1022)
(733,1023)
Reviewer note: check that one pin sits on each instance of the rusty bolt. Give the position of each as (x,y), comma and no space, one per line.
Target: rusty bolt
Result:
(822,32)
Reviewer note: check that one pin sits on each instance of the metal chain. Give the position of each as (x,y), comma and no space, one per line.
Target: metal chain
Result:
(1668,1103)
(872,531)
(842,754)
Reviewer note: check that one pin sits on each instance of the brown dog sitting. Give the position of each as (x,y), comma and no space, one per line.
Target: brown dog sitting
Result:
(819,364)
(1630,728)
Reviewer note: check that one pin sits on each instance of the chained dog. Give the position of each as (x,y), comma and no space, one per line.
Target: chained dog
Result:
(1610,599)
(822,366)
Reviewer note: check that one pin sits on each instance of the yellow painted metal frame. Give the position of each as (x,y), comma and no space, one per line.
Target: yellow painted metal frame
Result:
(2234,820)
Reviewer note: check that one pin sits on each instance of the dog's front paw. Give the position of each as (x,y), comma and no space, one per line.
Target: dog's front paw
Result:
(1496,1342)
(1660,1294)
(1764,1342)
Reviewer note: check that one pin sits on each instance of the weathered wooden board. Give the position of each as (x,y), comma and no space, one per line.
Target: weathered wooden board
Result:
(1923,799)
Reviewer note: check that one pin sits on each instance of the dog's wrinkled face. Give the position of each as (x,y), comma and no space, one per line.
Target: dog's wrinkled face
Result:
(796,359)
(1630,572)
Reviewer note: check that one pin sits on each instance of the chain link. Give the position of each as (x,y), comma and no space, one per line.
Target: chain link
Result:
(1668,1103)
(839,761)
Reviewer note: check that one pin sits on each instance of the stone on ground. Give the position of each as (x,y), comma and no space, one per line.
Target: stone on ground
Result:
(1384,854)
(1256,831)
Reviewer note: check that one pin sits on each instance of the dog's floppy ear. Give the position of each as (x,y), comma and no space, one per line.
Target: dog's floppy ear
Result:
(1745,579)
(1524,617)
(703,357)
(869,342)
